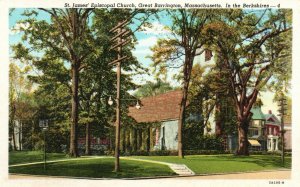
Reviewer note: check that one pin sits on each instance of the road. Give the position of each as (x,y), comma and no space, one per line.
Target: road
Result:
(283,174)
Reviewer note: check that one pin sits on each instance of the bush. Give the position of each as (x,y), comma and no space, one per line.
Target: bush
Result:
(95,149)
(163,153)
(205,142)
(205,152)
(167,152)
(277,153)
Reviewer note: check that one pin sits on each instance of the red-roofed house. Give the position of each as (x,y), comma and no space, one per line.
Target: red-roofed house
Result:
(163,108)
(272,132)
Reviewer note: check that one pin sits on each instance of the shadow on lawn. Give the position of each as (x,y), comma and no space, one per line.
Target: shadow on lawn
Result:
(102,168)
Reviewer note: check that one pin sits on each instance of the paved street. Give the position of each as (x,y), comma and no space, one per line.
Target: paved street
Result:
(284,174)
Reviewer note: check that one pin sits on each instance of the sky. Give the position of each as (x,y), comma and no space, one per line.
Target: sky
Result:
(146,39)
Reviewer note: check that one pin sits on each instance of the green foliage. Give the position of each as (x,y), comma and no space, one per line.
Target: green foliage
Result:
(199,141)
(153,88)
(54,48)
(22,106)
(253,52)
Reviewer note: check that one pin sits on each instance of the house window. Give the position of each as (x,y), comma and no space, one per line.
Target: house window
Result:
(253,132)
(270,131)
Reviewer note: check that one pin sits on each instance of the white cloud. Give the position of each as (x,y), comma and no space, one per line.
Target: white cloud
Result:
(155,29)
(18,28)
(143,47)
(147,42)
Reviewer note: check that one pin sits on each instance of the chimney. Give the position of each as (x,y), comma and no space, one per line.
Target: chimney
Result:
(270,111)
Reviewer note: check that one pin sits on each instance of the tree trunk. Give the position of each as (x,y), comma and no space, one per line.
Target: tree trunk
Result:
(133,137)
(138,142)
(151,138)
(87,140)
(74,113)
(143,138)
(20,136)
(12,125)
(148,139)
(181,119)
(187,69)
(14,137)
(127,137)
(139,139)
(218,118)
(243,139)
(122,139)
(110,146)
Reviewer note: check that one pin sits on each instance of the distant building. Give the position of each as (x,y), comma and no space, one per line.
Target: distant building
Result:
(272,131)
(256,136)
(263,134)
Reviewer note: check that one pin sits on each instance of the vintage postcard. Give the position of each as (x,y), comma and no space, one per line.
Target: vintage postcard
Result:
(166,93)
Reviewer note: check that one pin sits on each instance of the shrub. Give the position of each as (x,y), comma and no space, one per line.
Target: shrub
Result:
(277,153)
(205,152)
(95,149)
(163,153)
(205,142)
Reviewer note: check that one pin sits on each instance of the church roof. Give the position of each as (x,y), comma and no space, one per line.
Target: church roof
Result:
(163,107)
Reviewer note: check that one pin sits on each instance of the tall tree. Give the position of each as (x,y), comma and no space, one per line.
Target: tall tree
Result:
(67,37)
(180,50)
(252,49)
(21,105)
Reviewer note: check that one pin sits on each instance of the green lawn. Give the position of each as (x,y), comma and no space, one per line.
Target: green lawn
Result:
(205,164)
(19,157)
(97,168)
(103,167)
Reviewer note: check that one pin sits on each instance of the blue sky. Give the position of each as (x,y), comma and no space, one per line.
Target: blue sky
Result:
(146,39)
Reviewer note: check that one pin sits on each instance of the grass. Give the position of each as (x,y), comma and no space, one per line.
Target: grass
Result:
(206,164)
(19,157)
(102,167)
(96,168)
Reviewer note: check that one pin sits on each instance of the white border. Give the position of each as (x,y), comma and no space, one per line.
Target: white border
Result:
(6,4)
